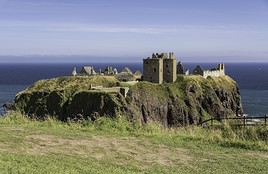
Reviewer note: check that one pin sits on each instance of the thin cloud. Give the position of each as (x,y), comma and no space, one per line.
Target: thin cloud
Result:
(111,29)
(35,3)
(87,28)
(138,29)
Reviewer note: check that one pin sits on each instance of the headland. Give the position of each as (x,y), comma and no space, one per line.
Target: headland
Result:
(165,93)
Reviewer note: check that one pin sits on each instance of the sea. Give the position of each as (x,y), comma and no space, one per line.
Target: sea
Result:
(252,79)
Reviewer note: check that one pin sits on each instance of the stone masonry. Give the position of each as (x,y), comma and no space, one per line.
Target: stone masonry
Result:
(160,68)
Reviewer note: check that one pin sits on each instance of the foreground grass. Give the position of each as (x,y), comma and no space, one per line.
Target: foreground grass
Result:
(114,146)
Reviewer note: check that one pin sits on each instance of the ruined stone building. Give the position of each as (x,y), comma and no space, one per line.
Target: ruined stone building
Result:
(180,68)
(170,69)
(153,69)
(215,72)
(74,72)
(109,70)
(198,71)
(160,68)
(88,71)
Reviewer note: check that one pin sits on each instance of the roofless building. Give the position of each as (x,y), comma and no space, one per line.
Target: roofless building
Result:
(160,68)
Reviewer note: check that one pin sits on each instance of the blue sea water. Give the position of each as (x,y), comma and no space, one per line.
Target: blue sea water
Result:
(251,77)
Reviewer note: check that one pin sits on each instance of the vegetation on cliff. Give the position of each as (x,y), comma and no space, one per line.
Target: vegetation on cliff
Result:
(68,97)
(117,146)
(72,83)
(189,100)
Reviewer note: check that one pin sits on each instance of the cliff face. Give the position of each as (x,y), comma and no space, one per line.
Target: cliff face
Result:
(190,100)
(69,98)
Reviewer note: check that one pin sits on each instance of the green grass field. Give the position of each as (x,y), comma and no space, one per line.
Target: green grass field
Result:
(115,146)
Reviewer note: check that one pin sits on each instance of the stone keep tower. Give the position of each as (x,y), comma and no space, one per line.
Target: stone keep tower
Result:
(153,69)
(170,68)
(160,68)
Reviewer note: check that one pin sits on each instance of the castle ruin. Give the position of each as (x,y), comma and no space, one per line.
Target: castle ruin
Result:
(160,68)
(88,71)
(215,72)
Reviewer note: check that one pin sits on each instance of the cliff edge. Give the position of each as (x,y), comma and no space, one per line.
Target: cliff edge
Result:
(190,100)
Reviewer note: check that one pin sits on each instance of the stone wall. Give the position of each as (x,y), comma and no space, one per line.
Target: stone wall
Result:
(170,70)
(153,70)
(160,68)
(220,71)
(213,73)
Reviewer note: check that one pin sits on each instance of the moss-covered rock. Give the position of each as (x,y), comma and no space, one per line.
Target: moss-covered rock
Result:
(190,100)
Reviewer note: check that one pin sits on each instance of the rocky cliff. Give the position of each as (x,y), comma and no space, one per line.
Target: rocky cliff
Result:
(190,100)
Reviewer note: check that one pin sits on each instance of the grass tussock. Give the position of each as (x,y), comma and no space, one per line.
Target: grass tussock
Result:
(118,147)
(224,135)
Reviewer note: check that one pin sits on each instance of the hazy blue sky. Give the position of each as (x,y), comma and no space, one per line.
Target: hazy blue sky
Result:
(196,30)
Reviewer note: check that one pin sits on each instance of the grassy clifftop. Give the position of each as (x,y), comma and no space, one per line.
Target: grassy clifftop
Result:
(178,88)
(72,83)
(84,83)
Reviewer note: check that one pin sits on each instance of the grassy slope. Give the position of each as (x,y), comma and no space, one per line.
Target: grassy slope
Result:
(83,83)
(109,146)
(72,83)
(178,88)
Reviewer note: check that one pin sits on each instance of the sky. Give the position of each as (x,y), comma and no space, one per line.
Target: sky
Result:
(129,30)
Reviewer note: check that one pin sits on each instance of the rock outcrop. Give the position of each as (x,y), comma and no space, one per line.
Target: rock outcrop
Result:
(190,100)
(9,106)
